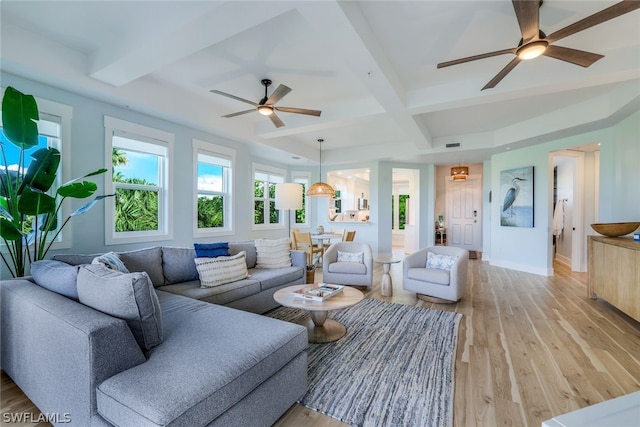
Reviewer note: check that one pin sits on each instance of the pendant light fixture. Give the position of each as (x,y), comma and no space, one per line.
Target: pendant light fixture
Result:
(320,189)
(459,173)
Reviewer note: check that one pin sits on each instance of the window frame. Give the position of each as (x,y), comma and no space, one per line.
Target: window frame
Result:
(302,177)
(270,171)
(164,142)
(221,152)
(61,114)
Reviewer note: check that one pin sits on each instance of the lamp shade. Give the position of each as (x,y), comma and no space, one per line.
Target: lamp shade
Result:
(289,196)
(320,189)
(459,173)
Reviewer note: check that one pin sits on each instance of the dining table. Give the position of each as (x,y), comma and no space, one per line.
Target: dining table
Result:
(321,238)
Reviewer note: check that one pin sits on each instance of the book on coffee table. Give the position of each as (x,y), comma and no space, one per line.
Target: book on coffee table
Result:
(318,291)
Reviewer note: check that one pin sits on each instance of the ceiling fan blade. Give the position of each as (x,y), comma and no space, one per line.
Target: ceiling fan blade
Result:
(239,113)
(501,75)
(528,14)
(228,95)
(604,15)
(574,56)
(276,120)
(476,57)
(299,111)
(278,94)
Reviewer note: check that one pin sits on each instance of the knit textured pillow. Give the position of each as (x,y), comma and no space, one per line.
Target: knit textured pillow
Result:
(111,260)
(223,269)
(273,253)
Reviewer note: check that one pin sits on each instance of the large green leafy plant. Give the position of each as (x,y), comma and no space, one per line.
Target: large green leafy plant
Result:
(28,209)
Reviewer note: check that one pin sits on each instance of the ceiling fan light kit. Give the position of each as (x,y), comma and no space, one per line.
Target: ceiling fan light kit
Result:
(535,42)
(265,110)
(532,50)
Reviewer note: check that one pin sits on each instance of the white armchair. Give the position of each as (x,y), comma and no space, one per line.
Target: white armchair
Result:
(345,272)
(439,285)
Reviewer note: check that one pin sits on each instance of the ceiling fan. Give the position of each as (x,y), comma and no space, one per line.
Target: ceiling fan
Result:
(534,42)
(267,106)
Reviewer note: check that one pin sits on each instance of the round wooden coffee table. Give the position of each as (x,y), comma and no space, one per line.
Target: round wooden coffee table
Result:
(319,327)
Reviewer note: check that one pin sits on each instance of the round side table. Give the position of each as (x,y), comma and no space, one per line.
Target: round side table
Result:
(386,288)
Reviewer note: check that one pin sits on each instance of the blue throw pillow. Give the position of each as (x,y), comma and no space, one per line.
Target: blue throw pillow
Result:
(56,276)
(211,250)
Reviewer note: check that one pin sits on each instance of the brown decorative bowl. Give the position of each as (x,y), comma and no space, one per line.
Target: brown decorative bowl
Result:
(616,229)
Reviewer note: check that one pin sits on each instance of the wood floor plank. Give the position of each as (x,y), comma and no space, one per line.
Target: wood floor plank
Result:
(530,347)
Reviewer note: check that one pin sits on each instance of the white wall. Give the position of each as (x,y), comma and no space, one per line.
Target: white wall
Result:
(529,249)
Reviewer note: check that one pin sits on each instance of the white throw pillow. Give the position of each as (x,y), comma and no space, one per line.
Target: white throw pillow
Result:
(442,262)
(273,253)
(351,257)
(223,269)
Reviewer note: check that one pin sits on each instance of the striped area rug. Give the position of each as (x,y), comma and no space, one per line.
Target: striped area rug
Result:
(395,366)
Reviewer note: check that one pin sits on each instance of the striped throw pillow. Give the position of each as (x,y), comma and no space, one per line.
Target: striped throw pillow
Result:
(273,253)
(223,269)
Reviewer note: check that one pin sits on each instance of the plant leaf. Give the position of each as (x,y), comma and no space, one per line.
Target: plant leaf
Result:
(84,208)
(35,203)
(96,172)
(78,190)
(19,116)
(8,230)
(42,170)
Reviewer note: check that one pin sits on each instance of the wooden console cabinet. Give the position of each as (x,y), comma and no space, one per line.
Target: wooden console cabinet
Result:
(614,272)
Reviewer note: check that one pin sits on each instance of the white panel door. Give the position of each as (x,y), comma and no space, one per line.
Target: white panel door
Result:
(464,203)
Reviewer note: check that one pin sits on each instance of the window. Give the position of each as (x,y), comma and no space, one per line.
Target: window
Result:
(138,160)
(213,206)
(54,128)
(302,215)
(265,178)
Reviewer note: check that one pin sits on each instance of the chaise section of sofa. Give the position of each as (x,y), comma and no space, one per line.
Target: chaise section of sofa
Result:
(211,360)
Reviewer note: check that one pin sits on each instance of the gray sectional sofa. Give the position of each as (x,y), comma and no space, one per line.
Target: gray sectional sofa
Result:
(216,365)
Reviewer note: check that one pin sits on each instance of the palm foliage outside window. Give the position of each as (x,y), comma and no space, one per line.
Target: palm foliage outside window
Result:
(264,197)
(141,181)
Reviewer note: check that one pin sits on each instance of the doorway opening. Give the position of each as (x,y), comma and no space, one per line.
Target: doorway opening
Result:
(574,202)
(405,209)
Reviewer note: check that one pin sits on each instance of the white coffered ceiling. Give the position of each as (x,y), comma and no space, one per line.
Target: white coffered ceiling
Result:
(370,66)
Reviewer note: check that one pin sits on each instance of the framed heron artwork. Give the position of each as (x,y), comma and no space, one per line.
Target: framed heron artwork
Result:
(516,188)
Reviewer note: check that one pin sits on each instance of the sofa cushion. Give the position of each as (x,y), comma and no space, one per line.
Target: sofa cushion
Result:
(127,296)
(110,260)
(211,250)
(351,257)
(238,351)
(272,278)
(178,265)
(443,262)
(222,294)
(249,247)
(75,259)
(222,269)
(433,275)
(273,253)
(347,268)
(56,276)
(148,260)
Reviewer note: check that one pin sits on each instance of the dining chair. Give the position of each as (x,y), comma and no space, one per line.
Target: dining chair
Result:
(304,243)
(293,237)
(349,236)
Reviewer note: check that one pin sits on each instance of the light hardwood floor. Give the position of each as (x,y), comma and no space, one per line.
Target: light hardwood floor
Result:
(530,347)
